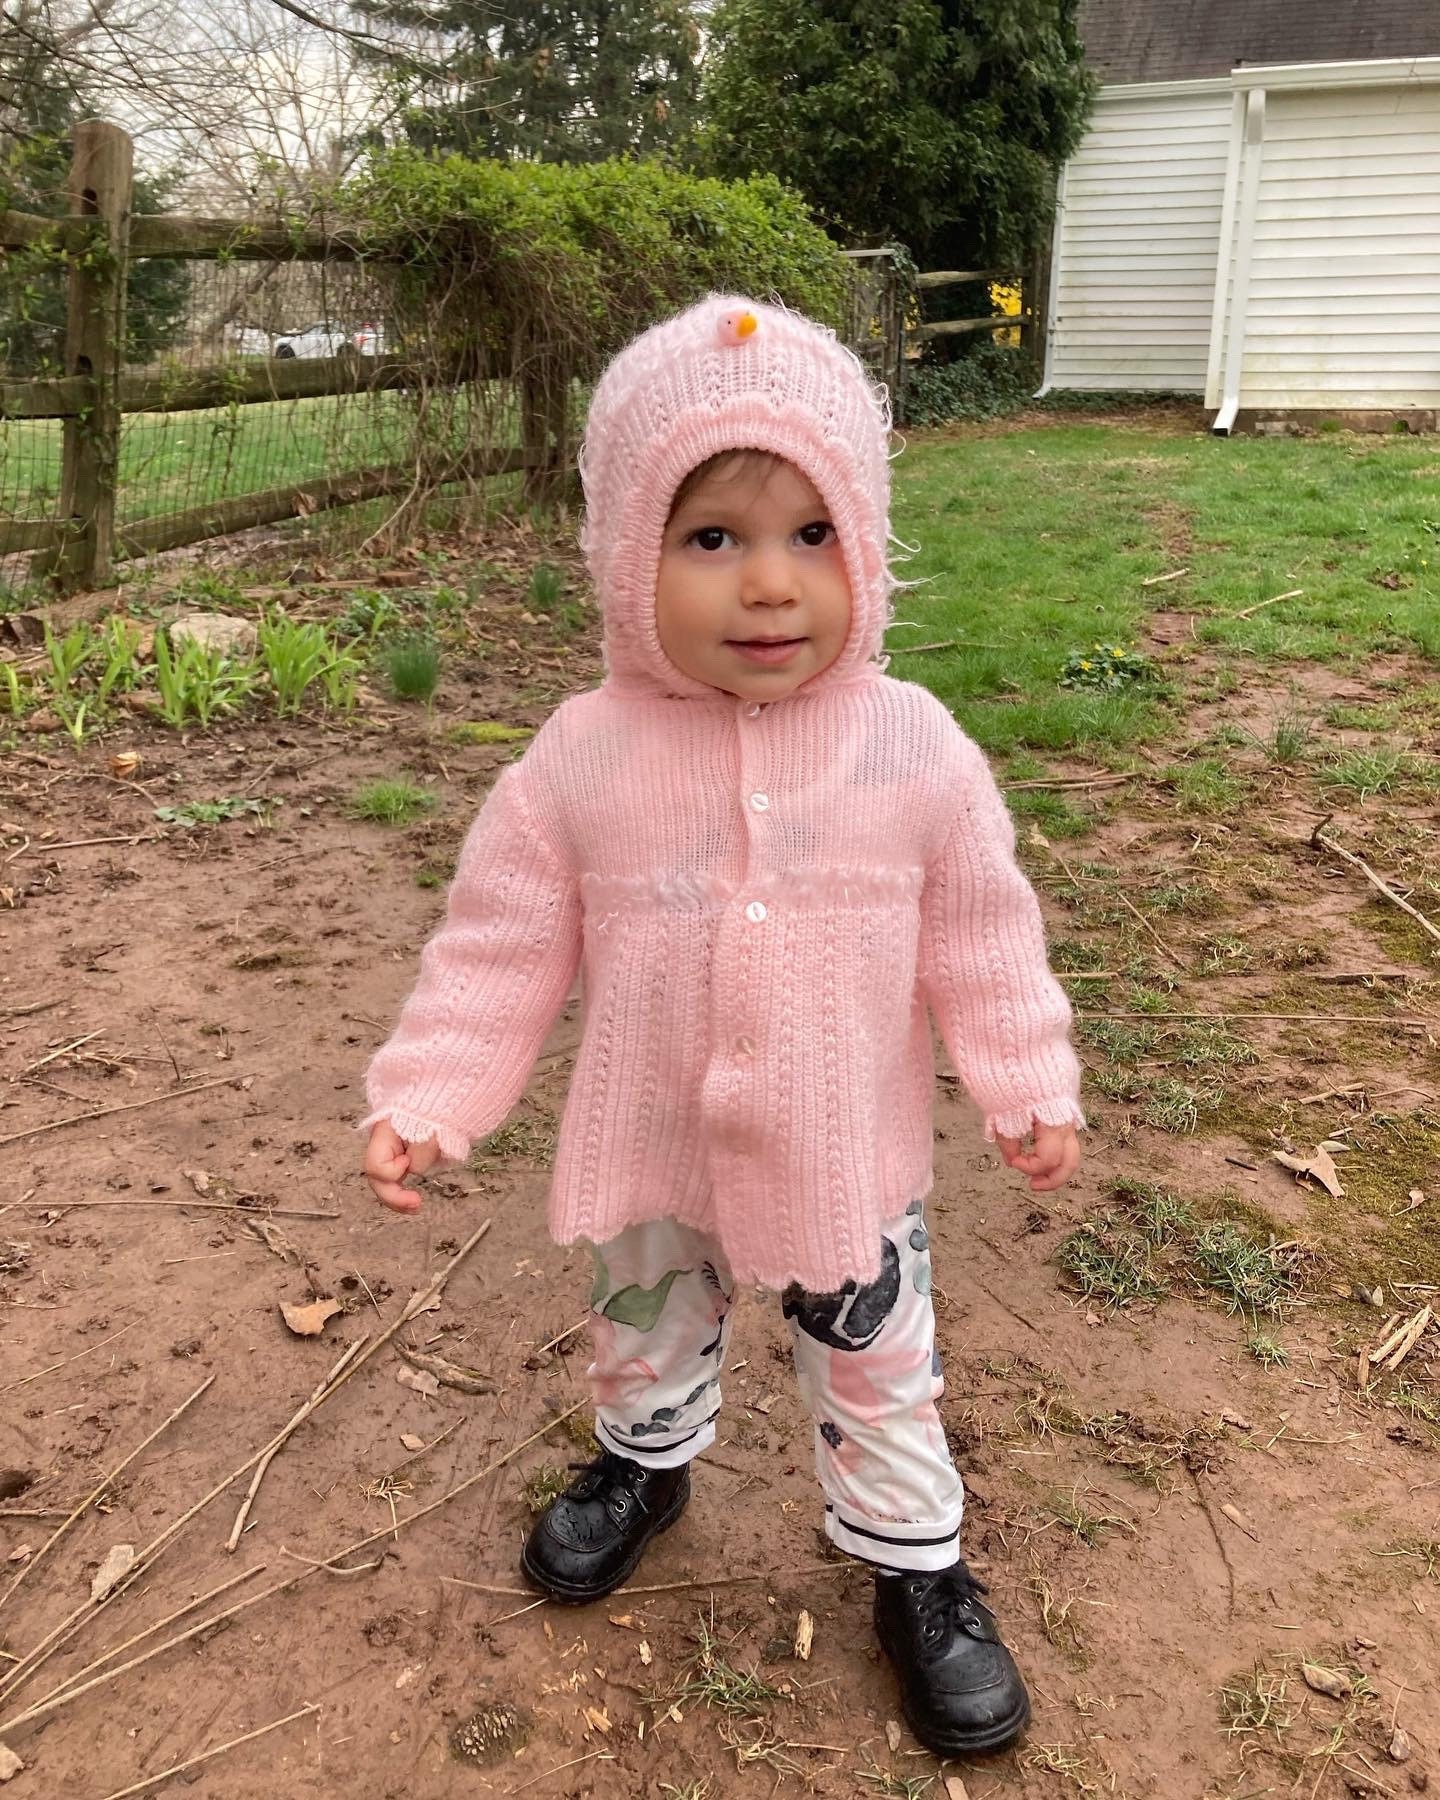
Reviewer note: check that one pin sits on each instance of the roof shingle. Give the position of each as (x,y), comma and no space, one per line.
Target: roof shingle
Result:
(1180,40)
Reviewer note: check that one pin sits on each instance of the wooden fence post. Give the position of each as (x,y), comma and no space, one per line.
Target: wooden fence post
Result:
(1035,305)
(100,189)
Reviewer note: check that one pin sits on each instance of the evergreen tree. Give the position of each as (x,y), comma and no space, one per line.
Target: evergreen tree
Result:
(938,123)
(564,81)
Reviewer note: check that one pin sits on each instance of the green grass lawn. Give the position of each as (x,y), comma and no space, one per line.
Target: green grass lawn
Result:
(1035,543)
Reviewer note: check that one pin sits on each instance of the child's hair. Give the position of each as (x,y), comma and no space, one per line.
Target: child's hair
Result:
(729,465)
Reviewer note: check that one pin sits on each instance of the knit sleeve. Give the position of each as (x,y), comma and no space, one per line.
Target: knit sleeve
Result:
(492,981)
(1004,1017)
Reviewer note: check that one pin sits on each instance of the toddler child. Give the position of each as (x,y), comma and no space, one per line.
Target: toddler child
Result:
(772,865)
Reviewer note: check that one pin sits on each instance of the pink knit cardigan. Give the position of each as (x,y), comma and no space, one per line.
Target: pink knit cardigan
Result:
(766,904)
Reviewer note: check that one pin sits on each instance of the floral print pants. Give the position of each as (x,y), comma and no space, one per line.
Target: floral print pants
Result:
(866,1360)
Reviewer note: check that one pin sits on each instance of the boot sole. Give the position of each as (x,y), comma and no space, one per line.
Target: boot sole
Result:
(572,1594)
(961,1743)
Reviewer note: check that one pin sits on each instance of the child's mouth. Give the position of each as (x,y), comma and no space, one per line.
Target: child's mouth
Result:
(770,651)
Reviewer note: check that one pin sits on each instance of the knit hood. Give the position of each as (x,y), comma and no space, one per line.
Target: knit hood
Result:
(730,374)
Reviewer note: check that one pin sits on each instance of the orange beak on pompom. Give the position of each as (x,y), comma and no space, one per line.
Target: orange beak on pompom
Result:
(736,327)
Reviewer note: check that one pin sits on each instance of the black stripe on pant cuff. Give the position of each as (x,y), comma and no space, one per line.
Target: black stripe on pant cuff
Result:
(644,1449)
(879,1537)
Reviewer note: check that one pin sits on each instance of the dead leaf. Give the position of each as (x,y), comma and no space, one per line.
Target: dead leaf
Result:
(804,1635)
(430,1303)
(199,1179)
(411,1442)
(1319,1166)
(955,1788)
(20,1552)
(626,1621)
(1236,1517)
(119,1560)
(446,1373)
(124,764)
(1416,1197)
(597,1718)
(647,1655)
(406,1677)
(1335,1147)
(309,1320)
(763,1404)
(892,1735)
(1230,1418)
(1398,1749)
(1325,1681)
(419,1381)
(10,1763)
(274,1239)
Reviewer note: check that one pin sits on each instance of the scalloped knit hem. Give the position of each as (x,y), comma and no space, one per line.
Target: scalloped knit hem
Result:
(454,1145)
(1060,1111)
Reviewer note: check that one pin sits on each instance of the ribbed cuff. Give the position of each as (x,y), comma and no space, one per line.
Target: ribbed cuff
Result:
(454,1145)
(1061,1109)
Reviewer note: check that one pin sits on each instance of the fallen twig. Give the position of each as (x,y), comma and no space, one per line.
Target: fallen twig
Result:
(139,1637)
(574,1762)
(106,1112)
(559,1337)
(1319,841)
(1038,837)
(61,1633)
(1260,605)
(1393,1351)
(1066,781)
(943,644)
(1160,580)
(670,1587)
(25,1012)
(125,837)
(330,1568)
(1239,1018)
(279,1444)
(448,1374)
(62,1697)
(25,1380)
(64,1049)
(260,1212)
(95,1493)
(193,1762)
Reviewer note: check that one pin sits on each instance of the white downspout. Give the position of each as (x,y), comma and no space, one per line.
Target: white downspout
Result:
(1225,260)
(1057,244)
(1244,251)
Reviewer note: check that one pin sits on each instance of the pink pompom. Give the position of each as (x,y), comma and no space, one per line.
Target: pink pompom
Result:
(736,327)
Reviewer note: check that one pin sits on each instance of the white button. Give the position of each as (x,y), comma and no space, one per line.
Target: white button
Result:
(754,710)
(756,913)
(744,1046)
(760,802)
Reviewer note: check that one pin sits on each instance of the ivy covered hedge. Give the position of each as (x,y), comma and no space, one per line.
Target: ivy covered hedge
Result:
(579,258)
(515,282)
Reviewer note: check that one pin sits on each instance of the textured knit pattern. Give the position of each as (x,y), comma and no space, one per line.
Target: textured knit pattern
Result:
(767,902)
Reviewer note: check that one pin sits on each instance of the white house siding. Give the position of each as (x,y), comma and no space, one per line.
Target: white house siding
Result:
(1137,240)
(1344,292)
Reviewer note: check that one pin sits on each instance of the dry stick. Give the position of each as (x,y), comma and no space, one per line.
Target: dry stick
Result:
(1067,781)
(1412,1336)
(1319,841)
(25,1012)
(118,1470)
(1158,580)
(62,1697)
(259,1212)
(669,1587)
(106,1112)
(1239,1018)
(67,1627)
(943,644)
(1124,901)
(74,1044)
(574,1762)
(139,1637)
(279,1444)
(559,1338)
(1260,605)
(25,1380)
(125,837)
(139,1787)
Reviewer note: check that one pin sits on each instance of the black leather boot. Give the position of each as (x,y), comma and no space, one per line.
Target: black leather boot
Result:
(590,1539)
(959,1686)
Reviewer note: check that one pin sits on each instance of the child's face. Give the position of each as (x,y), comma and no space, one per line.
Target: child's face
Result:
(752,596)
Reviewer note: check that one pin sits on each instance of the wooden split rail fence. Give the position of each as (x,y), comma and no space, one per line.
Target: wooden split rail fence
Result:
(78,545)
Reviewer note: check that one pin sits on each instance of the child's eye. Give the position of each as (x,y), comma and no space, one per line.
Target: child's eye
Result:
(709,537)
(818,532)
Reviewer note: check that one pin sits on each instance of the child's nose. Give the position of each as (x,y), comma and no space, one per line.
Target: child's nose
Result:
(768,577)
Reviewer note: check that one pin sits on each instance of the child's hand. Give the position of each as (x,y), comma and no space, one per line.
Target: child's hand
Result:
(1053,1160)
(388,1159)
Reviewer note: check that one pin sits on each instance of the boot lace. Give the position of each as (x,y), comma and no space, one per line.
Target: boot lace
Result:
(946,1602)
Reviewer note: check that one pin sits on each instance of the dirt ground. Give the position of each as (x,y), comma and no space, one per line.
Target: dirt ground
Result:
(1171,1526)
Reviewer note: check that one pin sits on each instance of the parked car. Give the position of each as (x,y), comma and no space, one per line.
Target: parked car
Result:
(370,340)
(315,341)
